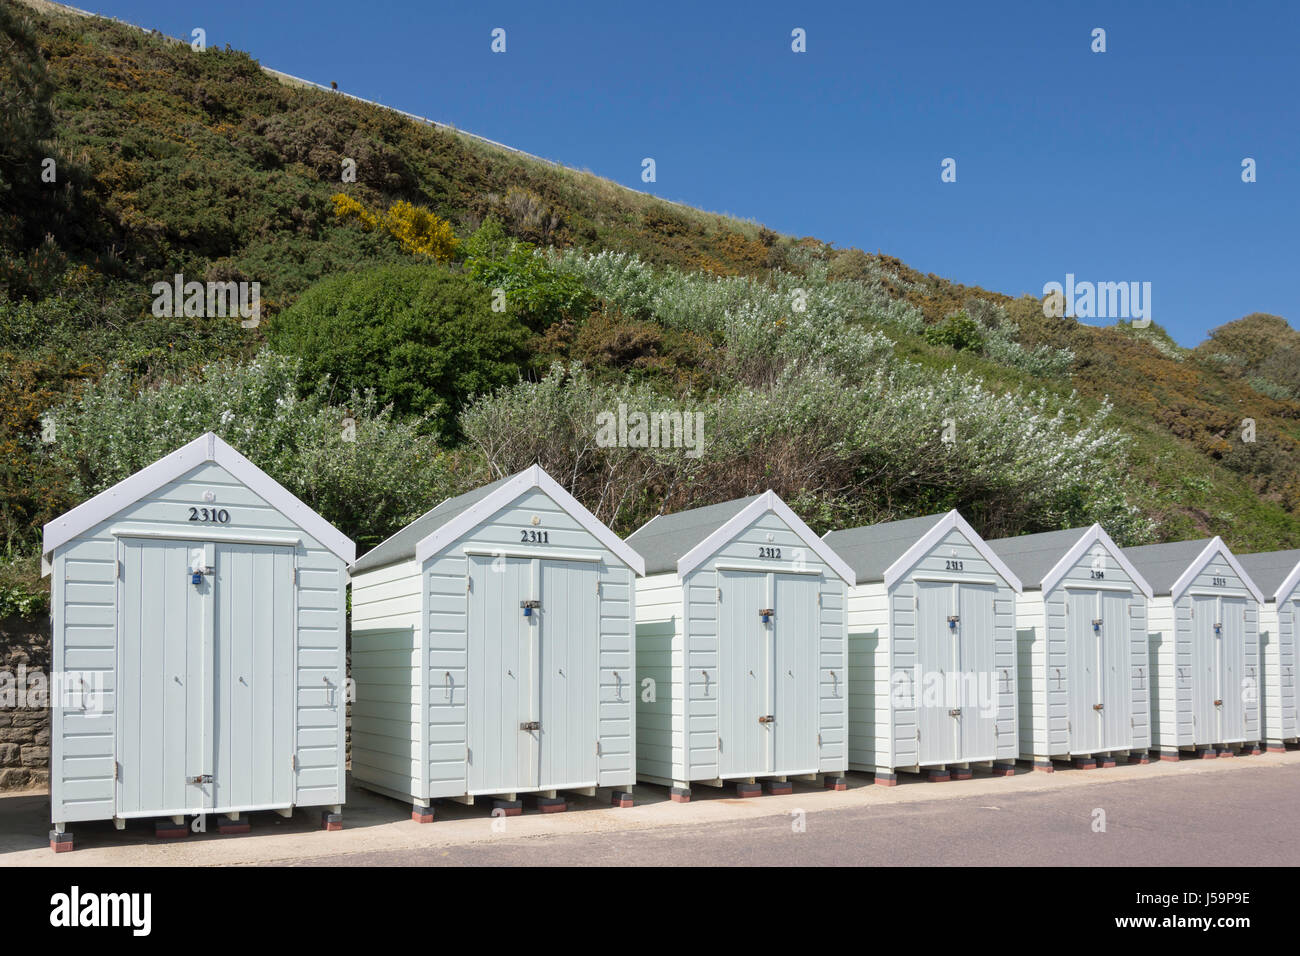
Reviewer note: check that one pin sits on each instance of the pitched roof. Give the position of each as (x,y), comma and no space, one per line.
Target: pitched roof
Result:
(1163,564)
(401,546)
(1042,560)
(448,522)
(871,549)
(682,541)
(207,447)
(886,551)
(1276,572)
(664,539)
(1171,568)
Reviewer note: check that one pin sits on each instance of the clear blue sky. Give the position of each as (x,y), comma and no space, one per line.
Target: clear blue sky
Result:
(1120,166)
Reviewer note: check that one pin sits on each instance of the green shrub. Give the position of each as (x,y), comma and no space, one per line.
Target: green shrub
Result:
(423,338)
(958,332)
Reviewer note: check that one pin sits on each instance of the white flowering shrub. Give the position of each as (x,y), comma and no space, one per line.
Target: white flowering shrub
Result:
(855,452)
(365,472)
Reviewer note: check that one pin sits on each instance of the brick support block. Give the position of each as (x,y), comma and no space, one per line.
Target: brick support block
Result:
(679,794)
(938,776)
(621,798)
(422,814)
(749,790)
(60,842)
(227,825)
(170,831)
(778,788)
(331,821)
(835,783)
(1003,770)
(551,804)
(509,808)
(885,779)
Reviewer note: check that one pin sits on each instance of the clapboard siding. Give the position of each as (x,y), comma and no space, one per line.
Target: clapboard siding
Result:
(86,596)
(387,712)
(678,647)
(429,686)
(660,725)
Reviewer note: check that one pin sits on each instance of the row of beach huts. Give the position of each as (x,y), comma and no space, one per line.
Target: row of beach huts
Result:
(507,644)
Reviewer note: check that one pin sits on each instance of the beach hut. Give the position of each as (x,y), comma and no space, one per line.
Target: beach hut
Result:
(740,650)
(1081,627)
(1277,574)
(492,652)
(198,648)
(1203,624)
(932,655)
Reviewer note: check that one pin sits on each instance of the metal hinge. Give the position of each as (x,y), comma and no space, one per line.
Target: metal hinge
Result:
(597,748)
(293,763)
(118,569)
(117,770)
(293,575)
(469,585)
(819,740)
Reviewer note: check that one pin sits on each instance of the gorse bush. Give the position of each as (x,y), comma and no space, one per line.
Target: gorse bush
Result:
(416,229)
(364,471)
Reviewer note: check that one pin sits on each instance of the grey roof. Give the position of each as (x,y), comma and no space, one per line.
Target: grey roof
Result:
(663,540)
(1163,564)
(401,546)
(1031,556)
(1269,569)
(869,550)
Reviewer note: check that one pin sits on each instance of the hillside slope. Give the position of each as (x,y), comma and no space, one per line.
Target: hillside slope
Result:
(171,161)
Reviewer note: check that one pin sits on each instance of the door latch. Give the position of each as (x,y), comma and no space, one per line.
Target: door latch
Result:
(529,607)
(1218,703)
(766,613)
(201,779)
(1098,706)
(767,719)
(953,620)
(955,712)
(531,725)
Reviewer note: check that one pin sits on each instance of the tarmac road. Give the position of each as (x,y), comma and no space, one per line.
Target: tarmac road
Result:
(1248,817)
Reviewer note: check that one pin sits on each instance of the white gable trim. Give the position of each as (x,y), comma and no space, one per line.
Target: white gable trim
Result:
(1215,547)
(952,521)
(526,480)
(1094,535)
(205,448)
(768,501)
(1289,585)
